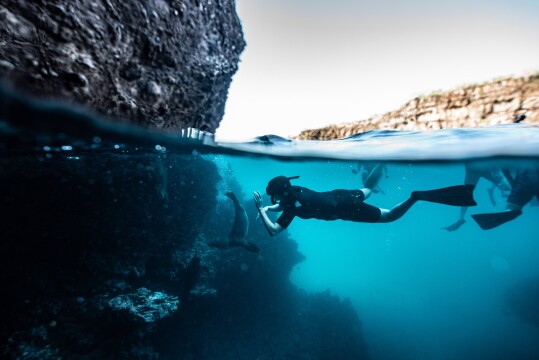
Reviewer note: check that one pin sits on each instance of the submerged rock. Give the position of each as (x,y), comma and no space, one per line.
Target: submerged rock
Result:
(522,299)
(145,304)
(101,269)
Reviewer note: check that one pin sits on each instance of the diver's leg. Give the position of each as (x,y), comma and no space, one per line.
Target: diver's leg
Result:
(372,179)
(471,178)
(521,194)
(397,212)
(366,192)
(490,192)
(374,176)
(511,206)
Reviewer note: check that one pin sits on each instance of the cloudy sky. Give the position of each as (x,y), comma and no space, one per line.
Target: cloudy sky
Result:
(310,63)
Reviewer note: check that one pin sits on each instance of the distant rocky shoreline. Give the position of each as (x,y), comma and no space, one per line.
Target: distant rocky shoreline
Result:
(497,102)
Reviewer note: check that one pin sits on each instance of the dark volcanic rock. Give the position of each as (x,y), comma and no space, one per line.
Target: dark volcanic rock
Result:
(105,252)
(159,63)
(94,263)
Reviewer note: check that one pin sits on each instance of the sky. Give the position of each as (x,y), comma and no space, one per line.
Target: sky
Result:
(311,63)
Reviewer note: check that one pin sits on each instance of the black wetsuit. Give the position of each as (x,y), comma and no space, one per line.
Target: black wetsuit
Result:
(525,187)
(329,205)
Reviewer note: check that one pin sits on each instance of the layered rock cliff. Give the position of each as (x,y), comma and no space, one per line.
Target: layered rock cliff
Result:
(161,63)
(497,102)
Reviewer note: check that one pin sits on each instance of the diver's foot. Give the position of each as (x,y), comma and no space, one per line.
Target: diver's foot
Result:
(455,226)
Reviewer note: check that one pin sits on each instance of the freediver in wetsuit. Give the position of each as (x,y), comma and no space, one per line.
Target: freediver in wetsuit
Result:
(364,169)
(525,188)
(347,205)
(500,179)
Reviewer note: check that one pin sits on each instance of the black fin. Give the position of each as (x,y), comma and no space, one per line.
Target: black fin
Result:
(459,195)
(190,276)
(491,220)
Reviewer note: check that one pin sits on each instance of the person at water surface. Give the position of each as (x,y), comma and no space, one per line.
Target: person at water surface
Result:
(525,188)
(499,178)
(347,205)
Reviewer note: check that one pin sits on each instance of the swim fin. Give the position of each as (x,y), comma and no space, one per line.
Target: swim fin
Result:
(491,220)
(459,195)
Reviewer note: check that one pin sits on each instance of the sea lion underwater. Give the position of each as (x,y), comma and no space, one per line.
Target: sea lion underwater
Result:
(190,276)
(238,234)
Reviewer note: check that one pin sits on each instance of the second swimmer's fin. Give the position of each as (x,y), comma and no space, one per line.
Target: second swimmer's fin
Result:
(492,220)
(460,195)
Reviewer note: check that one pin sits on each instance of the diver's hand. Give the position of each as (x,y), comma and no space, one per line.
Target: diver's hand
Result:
(258,200)
(455,226)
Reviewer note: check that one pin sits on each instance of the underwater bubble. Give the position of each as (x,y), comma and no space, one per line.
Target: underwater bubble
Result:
(47,148)
(116,146)
(158,147)
(96,139)
(67,147)
(195,153)
(499,264)
(244,267)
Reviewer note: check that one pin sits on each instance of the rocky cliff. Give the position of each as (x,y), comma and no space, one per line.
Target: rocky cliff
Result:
(106,253)
(160,63)
(497,102)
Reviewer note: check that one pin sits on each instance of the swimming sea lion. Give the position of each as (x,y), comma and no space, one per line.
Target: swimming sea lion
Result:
(238,234)
(190,277)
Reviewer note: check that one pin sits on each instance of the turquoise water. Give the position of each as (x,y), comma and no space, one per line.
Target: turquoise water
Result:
(421,292)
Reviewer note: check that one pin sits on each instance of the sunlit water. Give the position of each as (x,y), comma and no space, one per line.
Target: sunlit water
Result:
(421,292)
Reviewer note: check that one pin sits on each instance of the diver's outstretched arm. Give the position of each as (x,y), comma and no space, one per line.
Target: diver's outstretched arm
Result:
(271,227)
(273,208)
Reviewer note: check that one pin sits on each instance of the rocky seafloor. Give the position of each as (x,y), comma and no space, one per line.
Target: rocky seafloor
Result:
(104,254)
